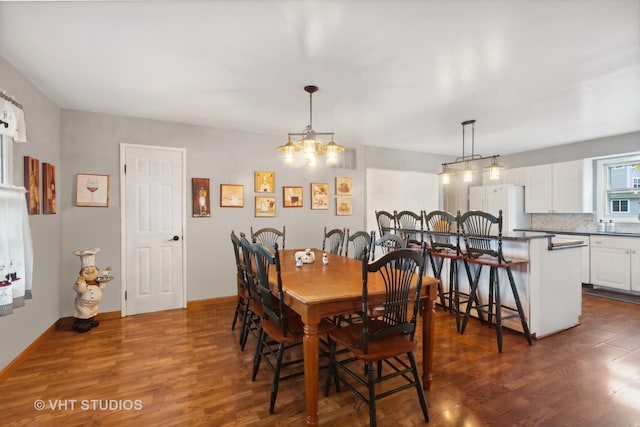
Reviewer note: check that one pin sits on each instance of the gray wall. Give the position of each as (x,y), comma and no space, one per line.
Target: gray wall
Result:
(617,144)
(91,144)
(26,324)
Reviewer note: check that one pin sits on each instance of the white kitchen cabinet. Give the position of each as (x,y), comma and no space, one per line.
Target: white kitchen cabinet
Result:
(585,258)
(565,187)
(508,198)
(635,269)
(615,262)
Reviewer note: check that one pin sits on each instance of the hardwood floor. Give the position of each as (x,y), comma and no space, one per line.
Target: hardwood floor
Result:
(184,367)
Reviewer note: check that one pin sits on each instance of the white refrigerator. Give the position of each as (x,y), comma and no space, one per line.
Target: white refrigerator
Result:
(508,197)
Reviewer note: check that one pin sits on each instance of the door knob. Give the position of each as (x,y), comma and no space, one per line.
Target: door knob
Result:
(175,238)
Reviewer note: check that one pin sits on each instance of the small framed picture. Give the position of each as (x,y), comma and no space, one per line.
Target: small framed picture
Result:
(319,196)
(343,186)
(92,190)
(292,197)
(48,189)
(201,199)
(265,206)
(231,196)
(32,183)
(344,206)
(265,182)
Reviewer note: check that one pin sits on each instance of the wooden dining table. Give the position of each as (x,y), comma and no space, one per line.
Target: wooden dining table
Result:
(317,291)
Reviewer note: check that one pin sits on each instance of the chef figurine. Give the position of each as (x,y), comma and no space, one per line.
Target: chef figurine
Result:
(88,291)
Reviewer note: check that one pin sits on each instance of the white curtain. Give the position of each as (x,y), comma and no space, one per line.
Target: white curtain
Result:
(12,116)
(16,250)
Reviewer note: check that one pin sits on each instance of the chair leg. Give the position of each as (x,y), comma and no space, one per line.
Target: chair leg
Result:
(372,395)
(248,319)
(331,369)
(496,288)
(454,294)
(246,313)
(492,291)
(237,312)
(416,379)
(436,274)
(258,356)
(473,296)
(516,297)
(276,378)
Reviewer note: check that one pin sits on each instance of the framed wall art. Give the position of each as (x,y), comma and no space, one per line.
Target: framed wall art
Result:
(92,190)
(32,184)
(265,182)
(344,205)
(265,206)
(292,197)
(48,188)
(343,186)
(231,196)
(319,196)
(201,197)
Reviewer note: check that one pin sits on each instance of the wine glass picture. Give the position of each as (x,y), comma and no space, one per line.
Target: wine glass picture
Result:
(92,185)
(92,190)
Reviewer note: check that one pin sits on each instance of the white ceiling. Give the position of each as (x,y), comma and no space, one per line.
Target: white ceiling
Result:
(392,73)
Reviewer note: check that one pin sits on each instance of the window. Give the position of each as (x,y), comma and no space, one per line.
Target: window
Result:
(620,206)
(618,190)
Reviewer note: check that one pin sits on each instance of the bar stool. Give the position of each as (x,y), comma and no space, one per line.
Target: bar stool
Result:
(485,249)
(441,248)
(411,226)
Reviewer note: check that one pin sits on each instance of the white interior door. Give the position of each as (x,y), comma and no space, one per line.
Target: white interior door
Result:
(153,189)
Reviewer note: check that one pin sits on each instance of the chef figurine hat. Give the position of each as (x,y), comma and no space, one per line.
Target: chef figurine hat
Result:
(87,257)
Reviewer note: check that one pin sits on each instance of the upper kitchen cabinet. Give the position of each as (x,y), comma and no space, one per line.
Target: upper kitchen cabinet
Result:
(565,187)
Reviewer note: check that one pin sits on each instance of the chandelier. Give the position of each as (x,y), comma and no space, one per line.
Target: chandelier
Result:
(308,143)
(493,168)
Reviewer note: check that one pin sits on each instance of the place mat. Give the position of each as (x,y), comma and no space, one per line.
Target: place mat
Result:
(617,296)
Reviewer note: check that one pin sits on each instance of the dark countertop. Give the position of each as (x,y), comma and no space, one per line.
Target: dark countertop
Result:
(581,232)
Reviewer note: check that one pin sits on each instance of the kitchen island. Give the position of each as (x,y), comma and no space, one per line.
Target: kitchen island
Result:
(549,286)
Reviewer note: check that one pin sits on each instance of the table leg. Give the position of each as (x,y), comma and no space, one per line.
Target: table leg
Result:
(428,330)
(310,346)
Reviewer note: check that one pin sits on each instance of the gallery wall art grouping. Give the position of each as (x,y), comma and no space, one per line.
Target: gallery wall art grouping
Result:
(265,198)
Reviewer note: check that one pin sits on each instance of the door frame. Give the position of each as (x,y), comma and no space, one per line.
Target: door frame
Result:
(123,220)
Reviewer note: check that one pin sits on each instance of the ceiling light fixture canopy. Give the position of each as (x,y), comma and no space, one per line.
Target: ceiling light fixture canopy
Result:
(308,142)
(493,169)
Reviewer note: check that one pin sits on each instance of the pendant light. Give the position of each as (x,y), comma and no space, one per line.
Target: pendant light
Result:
(309,144)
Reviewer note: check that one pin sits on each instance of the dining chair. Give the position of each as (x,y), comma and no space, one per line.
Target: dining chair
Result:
(361,242)
(443,234)
(334,238)
(484,248)
(387,340)
(268,236)
(242,285)
(280,327)
(253,306)
(388,243)
(411,226)
(386,222)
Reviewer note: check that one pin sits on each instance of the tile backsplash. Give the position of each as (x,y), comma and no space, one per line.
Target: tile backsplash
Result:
(575,222)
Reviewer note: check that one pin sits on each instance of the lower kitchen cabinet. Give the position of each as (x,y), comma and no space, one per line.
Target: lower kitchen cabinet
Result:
(585,259)
(615,262)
